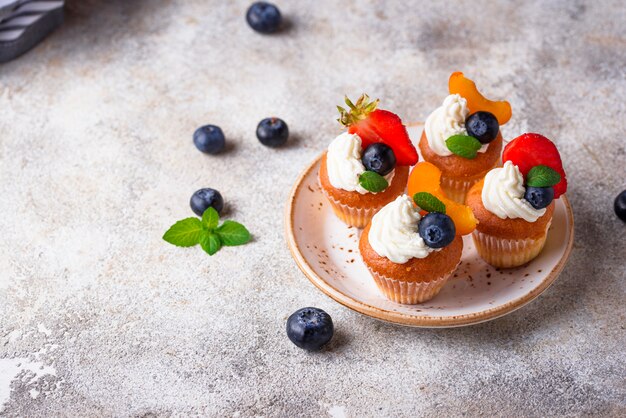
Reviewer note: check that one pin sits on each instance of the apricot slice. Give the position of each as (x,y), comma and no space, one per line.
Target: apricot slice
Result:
(459,84)
(426,177)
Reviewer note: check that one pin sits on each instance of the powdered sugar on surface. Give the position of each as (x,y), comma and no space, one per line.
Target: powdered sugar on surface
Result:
(21,371)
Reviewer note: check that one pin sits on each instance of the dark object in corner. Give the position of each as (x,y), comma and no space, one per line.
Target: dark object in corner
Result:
(24,24)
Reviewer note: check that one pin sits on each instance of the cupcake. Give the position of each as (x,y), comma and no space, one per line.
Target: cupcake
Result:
(514,203)
(413,245)
(406,267)
(366,167)
(462,136)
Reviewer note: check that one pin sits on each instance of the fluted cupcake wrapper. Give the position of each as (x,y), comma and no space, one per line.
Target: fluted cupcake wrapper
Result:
(506,253)
(357,217)
(409,293)
(456,189)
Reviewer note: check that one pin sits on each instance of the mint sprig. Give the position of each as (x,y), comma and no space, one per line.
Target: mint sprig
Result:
(206,232)
(542,176)
(428,202)
(373,182)
(464,146)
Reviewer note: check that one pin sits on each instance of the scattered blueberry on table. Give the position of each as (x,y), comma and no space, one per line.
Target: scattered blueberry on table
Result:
(272,132)
(209,139)
(620,205)
(379,158)
(482,126)
(310,328)
(264,17)
(437,229)
(202,199)
(539,197)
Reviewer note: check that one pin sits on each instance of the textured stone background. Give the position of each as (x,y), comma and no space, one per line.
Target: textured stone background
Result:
(98,316)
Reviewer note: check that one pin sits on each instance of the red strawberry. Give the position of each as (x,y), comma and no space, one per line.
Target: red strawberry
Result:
(529,150)
(377,125)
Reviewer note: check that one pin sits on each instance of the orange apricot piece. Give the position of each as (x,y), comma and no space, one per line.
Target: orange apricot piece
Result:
(426,177)
(459,84)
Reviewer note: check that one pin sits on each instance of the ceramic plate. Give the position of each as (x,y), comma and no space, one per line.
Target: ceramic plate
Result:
(326,250)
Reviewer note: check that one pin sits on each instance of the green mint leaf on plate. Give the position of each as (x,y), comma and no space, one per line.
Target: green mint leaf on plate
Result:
(463,145)
(373,182)
(542,176)
(233,233)
(184,233)
(210,242)
(428,202)
(210,218)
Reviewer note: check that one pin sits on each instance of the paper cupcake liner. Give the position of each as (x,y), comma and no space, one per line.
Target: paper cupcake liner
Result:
(352,216)
(506,253)
(456,189)
(409,293)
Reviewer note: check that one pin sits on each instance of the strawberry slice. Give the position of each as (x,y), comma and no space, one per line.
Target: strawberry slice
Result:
(377,125)
(529,150)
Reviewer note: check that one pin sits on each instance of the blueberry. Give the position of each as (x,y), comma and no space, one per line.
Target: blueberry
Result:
(310,328)
(437,230)
(264,17)
(379,157)
(482,126)
(272,132)
(620,205)
(539,197)
(203,198)
(209,139)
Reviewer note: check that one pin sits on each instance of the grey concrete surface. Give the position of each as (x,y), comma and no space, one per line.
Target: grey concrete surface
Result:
(100,317)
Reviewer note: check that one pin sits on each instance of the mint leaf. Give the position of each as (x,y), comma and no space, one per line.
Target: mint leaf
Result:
(463,145)
(184,233)
(373,182)
(233,233)
(428,202)
(210,218)
(210,242)
(542,176)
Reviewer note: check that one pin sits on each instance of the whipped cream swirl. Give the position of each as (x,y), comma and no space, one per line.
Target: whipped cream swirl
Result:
(503,194)
(393,232)
(445,121)
(344,165)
